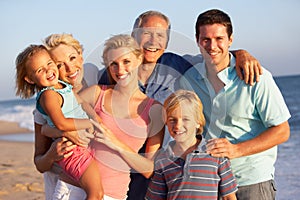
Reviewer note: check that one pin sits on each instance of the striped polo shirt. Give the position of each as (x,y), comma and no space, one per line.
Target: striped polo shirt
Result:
(200,176)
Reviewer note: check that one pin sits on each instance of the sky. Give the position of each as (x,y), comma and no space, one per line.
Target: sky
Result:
(268,29)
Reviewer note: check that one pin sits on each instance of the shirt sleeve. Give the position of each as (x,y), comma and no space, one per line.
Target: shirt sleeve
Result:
(228,183)
(157,188)
(193,59)
(270,103)
(38,117)
(185,81)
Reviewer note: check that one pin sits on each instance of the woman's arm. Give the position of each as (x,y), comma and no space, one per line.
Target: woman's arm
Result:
(90,95)
(156,130)
(89,101)
(48,151)
(88,108)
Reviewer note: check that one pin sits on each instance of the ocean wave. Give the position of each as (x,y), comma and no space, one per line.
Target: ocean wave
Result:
(22,114)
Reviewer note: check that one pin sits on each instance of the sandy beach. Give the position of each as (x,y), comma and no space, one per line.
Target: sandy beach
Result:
(19,177)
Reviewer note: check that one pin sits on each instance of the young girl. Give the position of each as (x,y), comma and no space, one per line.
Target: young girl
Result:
(184,170)
(37,72)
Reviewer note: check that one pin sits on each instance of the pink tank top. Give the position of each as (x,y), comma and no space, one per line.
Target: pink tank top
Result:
(113,169)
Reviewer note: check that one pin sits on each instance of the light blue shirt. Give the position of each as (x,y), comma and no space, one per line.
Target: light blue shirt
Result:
(70,108)
(240,112)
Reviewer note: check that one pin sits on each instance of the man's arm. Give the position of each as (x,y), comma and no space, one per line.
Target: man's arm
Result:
(273,136)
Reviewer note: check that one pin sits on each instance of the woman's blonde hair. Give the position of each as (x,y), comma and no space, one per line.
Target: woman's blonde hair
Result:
(174,100)
(54,40)
(119,41)
(23,88)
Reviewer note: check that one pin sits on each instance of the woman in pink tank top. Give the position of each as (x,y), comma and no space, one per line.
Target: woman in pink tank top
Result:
(128,116)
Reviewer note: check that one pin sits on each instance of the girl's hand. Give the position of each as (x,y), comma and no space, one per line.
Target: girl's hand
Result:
(80,137)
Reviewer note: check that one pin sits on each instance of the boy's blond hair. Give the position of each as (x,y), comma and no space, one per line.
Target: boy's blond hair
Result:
(173,101)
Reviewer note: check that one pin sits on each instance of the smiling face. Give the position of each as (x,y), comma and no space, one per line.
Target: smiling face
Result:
(41,70)
(153,38)
(182,124)
(214,44)
(70,64)
(123,65)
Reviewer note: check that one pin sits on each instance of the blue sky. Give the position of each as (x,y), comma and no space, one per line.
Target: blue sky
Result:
(268,29)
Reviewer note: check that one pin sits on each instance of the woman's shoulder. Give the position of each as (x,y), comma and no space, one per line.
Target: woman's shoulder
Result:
(144,98)
(148,101)
(96,90)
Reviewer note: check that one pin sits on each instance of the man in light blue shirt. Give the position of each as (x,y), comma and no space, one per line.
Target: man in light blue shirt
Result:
(244,123)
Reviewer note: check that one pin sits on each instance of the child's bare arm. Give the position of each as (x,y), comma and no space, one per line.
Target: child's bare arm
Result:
(51,102)
(231,196)
(79,137)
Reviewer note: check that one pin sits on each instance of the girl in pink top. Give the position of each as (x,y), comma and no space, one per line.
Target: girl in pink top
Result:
(129,117)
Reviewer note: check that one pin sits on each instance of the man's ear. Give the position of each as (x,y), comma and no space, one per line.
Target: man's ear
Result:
(230,40)
(28,80)
(140,59)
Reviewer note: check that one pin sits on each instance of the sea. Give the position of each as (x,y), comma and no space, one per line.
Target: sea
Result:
(287,172)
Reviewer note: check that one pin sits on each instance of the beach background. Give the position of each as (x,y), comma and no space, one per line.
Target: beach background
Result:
(20,180)
(18,177)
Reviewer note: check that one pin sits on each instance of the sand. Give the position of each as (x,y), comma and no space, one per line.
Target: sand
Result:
(12,127)
(19,178)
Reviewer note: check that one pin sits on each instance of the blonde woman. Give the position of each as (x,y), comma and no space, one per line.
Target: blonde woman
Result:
(66,52)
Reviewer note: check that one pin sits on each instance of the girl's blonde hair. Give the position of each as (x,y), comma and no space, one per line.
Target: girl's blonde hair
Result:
(118,41)
(23,88)
(54,40)
(174,100)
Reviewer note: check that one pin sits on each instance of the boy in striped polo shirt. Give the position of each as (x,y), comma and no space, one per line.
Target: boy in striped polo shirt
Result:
(184,170)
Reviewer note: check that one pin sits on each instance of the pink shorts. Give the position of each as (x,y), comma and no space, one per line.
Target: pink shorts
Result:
(77,163)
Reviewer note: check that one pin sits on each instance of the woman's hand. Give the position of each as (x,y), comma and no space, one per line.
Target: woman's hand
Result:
(141,164)
(61,148)
(105,136)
